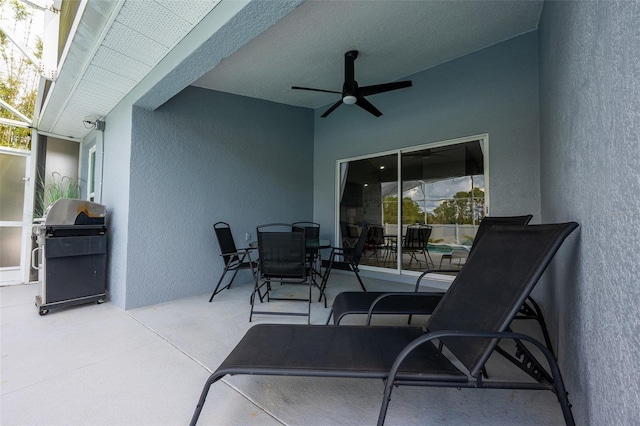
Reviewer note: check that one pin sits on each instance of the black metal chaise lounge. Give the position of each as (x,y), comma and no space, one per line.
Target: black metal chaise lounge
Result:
(423,303)
(470,320)
(416,302)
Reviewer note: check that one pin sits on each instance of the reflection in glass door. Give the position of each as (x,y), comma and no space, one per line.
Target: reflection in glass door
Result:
(441,203)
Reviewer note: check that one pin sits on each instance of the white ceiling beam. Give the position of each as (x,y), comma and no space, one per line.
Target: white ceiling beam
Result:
(57,136)
(14,123)
(15,112)
(35,61)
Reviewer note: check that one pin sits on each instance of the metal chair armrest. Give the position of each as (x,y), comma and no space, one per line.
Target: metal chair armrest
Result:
(400,295)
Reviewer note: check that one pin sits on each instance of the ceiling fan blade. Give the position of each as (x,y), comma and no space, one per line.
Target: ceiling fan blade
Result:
(368,106)
(380,88)
(314,90)
(333,107)
(349,66)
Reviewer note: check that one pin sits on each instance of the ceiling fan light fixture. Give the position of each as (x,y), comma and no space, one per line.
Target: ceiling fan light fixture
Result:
(352,93)
(349,99)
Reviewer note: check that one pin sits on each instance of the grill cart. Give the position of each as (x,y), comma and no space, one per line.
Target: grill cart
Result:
(71,254)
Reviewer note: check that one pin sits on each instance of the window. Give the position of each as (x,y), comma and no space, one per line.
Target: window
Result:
(439,192)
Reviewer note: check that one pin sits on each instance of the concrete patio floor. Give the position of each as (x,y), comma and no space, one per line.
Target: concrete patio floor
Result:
(99,365)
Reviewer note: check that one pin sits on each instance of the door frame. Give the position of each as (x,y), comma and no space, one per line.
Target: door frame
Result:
(20,274)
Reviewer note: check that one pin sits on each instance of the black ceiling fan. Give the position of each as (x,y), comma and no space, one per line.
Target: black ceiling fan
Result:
(351,93)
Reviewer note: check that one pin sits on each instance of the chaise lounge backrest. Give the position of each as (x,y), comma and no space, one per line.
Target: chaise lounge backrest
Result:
(478,296)
(488,221)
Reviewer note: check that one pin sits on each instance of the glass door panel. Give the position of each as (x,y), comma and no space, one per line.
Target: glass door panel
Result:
(442,204)
(13,170)
(368,188)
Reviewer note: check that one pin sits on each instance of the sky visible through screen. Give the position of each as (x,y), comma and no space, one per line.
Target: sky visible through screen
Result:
(430,195)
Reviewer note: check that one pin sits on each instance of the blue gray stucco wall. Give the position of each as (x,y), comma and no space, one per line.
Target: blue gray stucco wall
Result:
(492,91)
(115,196)
(590,173)
(204,157)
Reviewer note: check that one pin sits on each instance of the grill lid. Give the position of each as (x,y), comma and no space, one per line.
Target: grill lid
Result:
(67,211)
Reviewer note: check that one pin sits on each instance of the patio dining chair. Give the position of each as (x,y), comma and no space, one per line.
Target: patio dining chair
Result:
(470,321)
(376,243)
(345,259)
(234,259)
(415,242)
(283,259)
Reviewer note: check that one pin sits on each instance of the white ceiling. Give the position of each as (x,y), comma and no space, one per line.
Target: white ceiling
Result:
(119,42)
(395,39)
(116,44)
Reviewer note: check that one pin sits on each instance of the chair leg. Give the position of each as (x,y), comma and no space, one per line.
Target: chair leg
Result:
(329,317)
(215,291)
(203,397)
(256,289)
(386,398)
(430,259)
(540,318)
(309,300)
(327,272)
(355,270)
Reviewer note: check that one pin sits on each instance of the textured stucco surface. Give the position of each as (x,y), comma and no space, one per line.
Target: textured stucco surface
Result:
(492,91)
(115,196)
(590,158)
(204,157)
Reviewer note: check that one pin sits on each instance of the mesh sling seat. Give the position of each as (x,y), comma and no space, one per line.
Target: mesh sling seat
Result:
(470,320)
(234,259)
(282,258)
(350,260)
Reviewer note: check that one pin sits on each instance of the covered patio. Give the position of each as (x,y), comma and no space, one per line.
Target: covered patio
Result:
(181,129)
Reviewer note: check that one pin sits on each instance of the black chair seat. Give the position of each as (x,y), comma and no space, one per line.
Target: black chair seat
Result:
(317,350)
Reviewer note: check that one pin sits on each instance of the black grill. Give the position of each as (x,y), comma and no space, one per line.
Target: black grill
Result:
(72,243)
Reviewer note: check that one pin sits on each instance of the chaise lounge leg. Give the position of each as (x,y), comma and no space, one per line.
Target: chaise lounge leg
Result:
(388,387)
(541,321)
(203,396)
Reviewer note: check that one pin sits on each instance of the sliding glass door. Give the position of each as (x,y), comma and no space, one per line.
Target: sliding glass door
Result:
(437,191)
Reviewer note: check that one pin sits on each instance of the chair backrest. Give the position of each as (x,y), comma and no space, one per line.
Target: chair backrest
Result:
(416,237)
(494,283)
(353,255)
(375,236)
(488,221)
(225,241)
(281,249)
(311,230)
